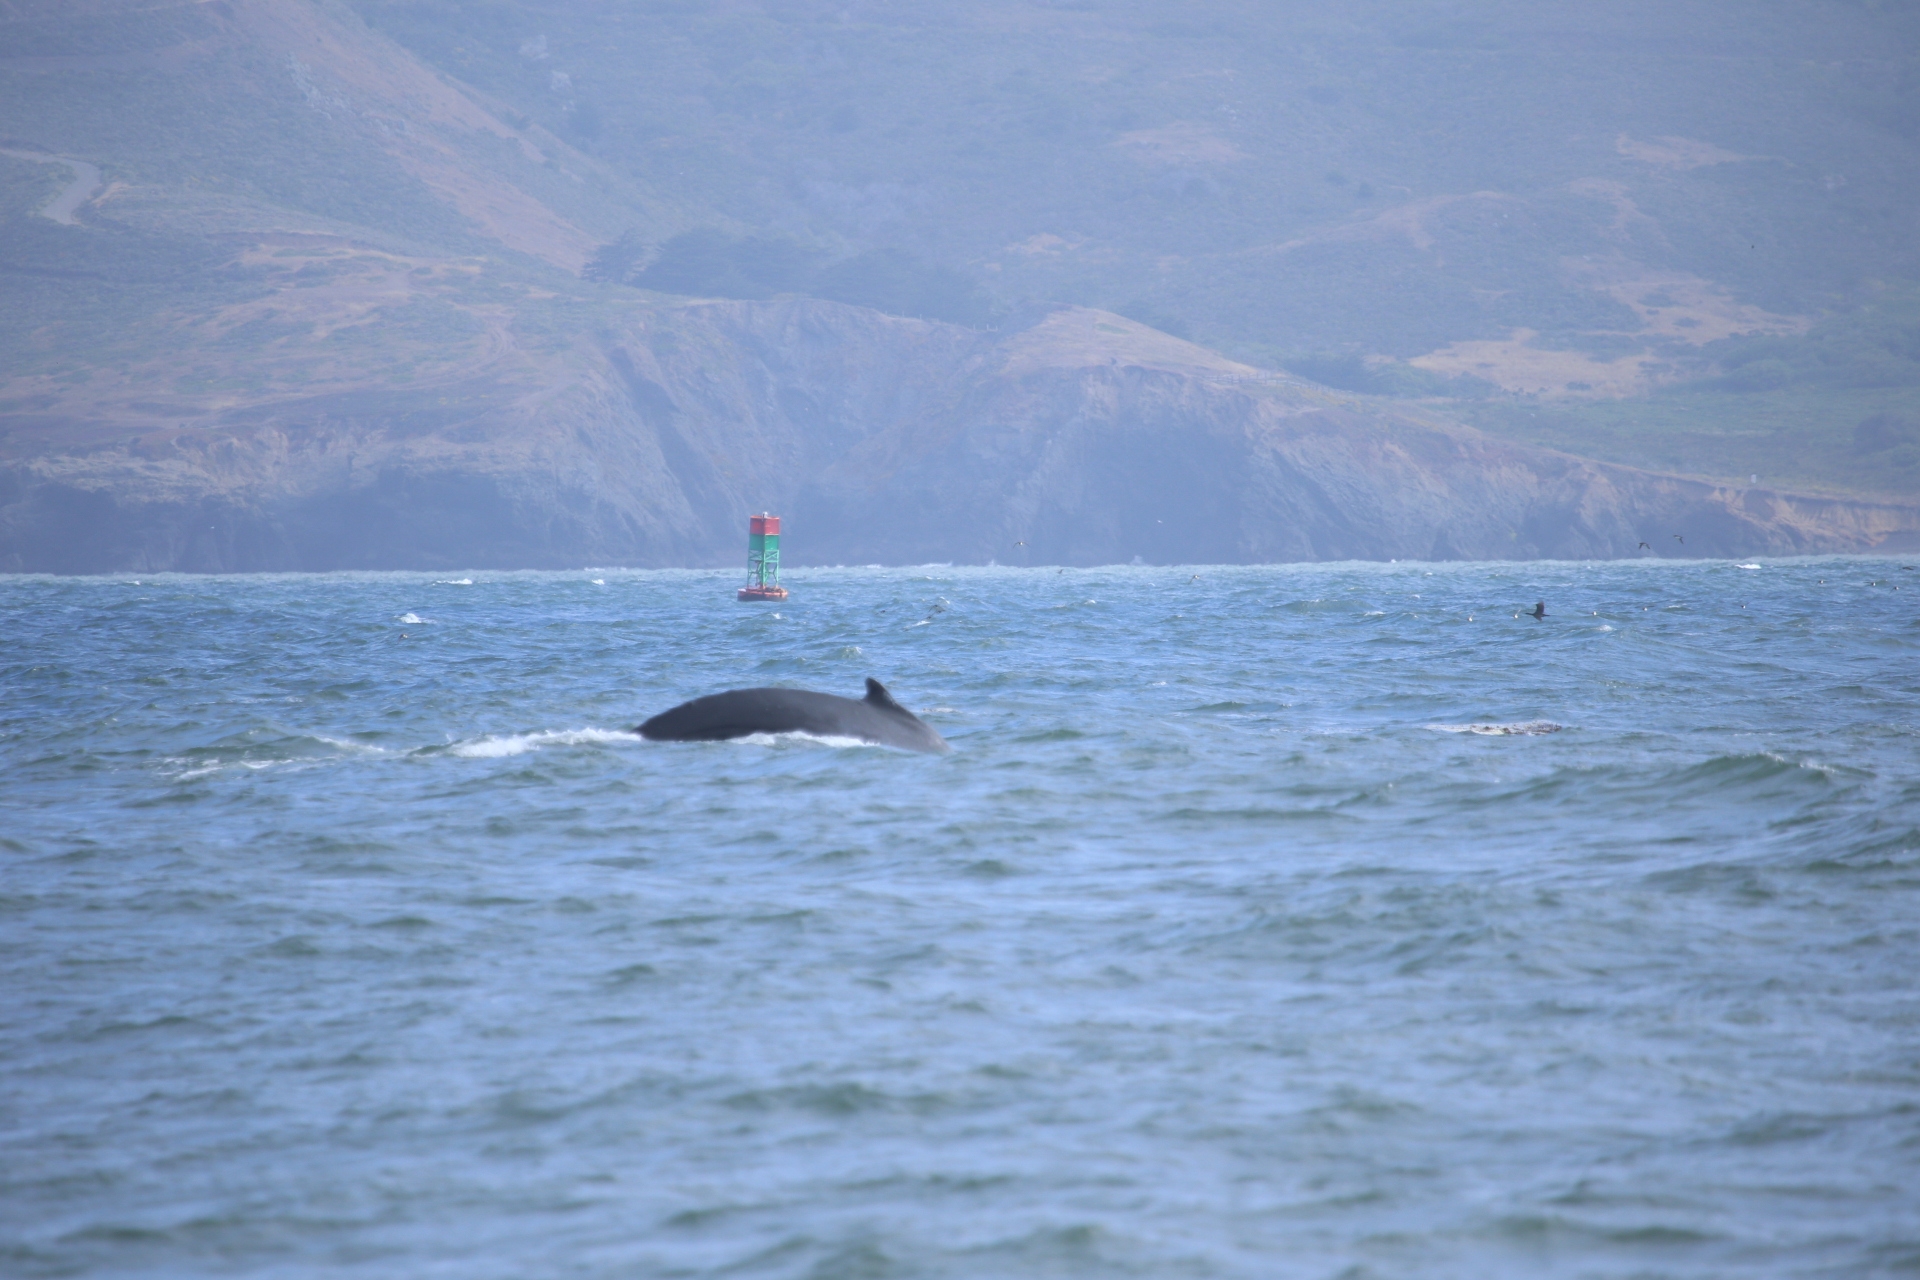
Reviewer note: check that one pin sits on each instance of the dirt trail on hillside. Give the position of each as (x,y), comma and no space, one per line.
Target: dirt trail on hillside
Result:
(86,181)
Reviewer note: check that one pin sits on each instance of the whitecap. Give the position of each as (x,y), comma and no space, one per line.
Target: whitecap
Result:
(1374,613)
(347,745)
(1500,730)
(823,739)
(411,618)
(599,582)
(1746,566)
(513,744)
(453,582)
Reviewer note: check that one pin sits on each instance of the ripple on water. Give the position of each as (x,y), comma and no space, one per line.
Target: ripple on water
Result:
(1265,921)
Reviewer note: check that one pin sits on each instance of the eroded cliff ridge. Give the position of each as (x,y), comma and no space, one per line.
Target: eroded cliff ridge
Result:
(1074,437)
(289,289)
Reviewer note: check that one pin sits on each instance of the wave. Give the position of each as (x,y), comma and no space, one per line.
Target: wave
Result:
(1520,727)
(1671,788)
(822,739)
(346,745)
(1755,767)
(263,747)
(514,744)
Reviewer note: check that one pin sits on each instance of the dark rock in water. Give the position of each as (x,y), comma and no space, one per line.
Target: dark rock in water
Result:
(1089,438)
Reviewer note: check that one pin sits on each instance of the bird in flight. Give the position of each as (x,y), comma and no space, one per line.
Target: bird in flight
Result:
(1021,543)
(1647,545)
(1539,610)
(1677,538)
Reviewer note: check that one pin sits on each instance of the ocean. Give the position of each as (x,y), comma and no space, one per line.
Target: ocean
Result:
(1317,921)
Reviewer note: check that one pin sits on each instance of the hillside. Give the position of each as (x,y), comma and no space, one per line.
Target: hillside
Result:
(1494,204)
(1082,439)
(299,284)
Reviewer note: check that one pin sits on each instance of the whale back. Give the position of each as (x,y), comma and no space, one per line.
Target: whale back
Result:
(738,713)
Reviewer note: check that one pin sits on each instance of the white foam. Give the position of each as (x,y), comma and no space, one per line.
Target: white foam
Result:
(1500,730)
(514,744)
(1746,566)
(453,582)
(823,739)
(412,619)
(346,745)
(599,582)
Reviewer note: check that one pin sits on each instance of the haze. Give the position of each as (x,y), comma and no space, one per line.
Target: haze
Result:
(304,284)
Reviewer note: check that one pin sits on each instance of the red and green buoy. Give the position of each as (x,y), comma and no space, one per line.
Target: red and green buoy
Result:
(763,559)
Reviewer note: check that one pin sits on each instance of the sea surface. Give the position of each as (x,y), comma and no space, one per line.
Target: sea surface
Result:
(1316,921)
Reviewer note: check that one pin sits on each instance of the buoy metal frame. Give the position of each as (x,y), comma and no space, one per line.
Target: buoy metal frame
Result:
(763,559)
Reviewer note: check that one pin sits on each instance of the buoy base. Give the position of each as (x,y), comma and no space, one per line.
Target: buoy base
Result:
(763,593)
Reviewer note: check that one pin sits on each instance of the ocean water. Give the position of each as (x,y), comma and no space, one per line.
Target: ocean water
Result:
(347,930)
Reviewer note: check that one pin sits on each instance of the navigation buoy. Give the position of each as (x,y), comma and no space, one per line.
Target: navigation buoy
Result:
(763,559)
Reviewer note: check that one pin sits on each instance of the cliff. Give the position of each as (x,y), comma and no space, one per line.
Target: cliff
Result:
(1080,438)
(297,284)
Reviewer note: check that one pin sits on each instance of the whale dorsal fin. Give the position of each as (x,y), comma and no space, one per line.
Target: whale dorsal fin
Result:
(877,694)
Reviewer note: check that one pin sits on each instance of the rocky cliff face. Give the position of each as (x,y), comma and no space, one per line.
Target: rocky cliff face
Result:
(1081,438)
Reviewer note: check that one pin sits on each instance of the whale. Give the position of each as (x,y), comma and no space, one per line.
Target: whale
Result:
(876,718)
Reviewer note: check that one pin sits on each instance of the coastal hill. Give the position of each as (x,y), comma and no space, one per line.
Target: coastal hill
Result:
(284,292)
(1082,439)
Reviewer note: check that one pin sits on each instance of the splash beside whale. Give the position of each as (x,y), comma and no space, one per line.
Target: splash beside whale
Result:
(737,713)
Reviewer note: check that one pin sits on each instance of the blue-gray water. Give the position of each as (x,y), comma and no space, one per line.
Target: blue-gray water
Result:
(345,931)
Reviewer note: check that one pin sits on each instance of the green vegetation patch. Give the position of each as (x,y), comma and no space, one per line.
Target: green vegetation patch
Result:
(1858,440)
(1875,345)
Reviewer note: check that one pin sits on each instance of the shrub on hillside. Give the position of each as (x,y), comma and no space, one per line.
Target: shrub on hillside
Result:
(891,281)
(1877,345)
(1885,431)
(714,264)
